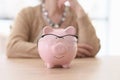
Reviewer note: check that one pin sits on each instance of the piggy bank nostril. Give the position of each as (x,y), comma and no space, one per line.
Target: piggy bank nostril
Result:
(59,49)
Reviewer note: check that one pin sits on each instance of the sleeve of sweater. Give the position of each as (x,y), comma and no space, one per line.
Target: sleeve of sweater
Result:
(18,42)
(87,34)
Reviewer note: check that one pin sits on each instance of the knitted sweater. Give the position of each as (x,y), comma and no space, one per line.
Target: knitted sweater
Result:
(28,25)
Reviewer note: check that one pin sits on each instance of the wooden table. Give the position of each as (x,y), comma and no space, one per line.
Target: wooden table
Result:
(99,68)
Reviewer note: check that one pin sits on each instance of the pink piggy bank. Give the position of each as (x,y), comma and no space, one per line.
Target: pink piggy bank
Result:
(58,47)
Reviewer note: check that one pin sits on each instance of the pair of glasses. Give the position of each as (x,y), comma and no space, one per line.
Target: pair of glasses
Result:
(64,36)
(67,37)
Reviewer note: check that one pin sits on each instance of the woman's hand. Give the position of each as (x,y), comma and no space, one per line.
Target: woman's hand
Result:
(84,50)
(61,3)
(74,5)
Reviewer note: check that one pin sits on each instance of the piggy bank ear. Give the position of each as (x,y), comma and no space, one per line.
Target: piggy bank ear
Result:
(47,30)
(70,30)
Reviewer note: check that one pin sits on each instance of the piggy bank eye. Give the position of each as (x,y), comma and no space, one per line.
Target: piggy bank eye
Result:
(56,38)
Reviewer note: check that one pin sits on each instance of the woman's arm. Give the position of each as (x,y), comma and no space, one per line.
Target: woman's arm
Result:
(88,44)
(19,44)
(87,36)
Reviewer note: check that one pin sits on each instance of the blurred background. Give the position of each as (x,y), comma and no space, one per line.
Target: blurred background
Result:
(104,14)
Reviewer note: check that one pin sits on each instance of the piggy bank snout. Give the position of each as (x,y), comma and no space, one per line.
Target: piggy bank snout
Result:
(59,49)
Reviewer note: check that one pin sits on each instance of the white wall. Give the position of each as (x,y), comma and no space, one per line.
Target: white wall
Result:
(114,43)
(9,8)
